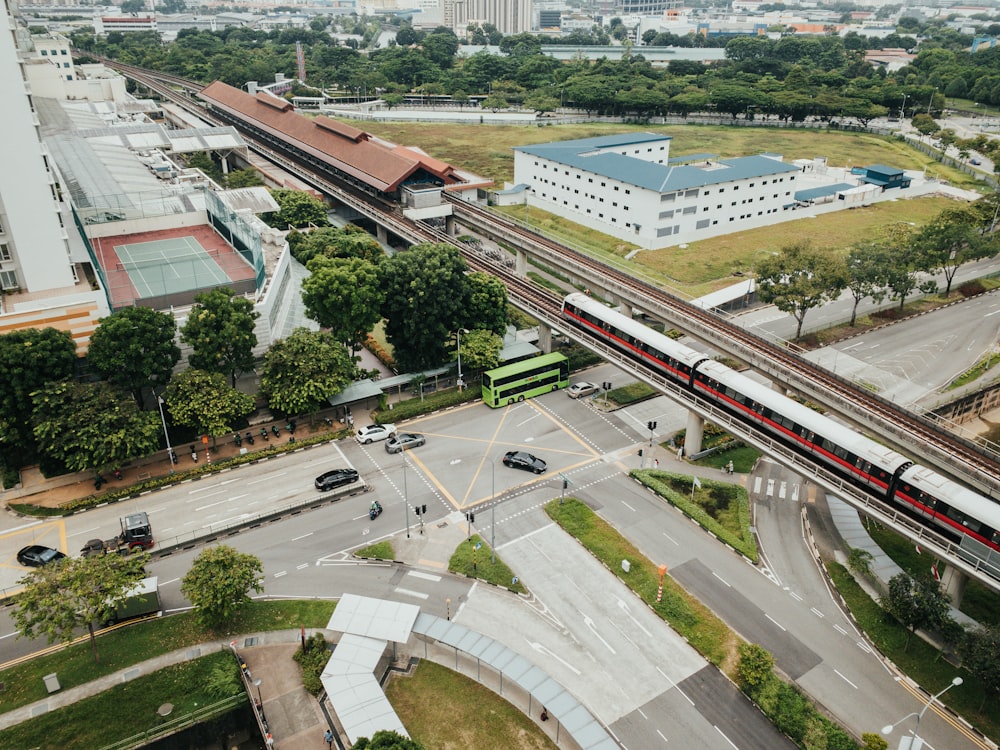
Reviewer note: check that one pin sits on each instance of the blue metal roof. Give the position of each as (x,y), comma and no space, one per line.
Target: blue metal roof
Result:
(586,154)
(883,169)
(822,191)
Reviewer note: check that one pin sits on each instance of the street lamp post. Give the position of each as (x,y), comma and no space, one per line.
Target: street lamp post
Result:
(902,109)
(170,451)
(914,742)
(458,334)
(406,500)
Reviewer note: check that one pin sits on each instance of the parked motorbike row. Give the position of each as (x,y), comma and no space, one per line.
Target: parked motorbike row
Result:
(264,434)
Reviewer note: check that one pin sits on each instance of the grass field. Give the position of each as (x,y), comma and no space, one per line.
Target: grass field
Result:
(704,266)
(487,150)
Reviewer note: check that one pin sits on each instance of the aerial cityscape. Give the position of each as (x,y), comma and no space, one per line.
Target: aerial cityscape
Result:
(374,371)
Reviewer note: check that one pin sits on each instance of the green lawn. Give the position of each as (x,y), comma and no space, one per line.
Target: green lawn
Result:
(134,643)
(469,561)
(921,661)
(123,711)
(444,710)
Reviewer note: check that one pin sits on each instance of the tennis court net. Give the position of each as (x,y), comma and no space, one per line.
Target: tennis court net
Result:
(129,265)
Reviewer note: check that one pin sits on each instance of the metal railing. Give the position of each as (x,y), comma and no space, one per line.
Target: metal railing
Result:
(176,725)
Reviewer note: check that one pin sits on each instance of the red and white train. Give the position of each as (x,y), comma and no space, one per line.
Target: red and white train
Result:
(920,492)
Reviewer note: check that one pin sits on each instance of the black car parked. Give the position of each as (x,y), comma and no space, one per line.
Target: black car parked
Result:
(336,478)
(525,461)
(36,555)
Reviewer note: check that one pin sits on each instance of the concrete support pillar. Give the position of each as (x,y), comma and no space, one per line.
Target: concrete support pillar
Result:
(521,263)
(381,234)
(225,164)
(953,584)
(544,338)
(449,225)
(779,387)
(695,432)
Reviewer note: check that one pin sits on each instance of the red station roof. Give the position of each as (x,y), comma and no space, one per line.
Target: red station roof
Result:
(349,149)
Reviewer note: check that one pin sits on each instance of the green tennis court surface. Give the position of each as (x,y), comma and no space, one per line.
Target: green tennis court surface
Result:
(161,267)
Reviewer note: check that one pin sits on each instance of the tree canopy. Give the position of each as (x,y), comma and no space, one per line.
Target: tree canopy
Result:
(134,349)
(298,209)
(220,331)
(915,603)
(219,583)
(344,295)
(29,359)
(424,291)
(61,597)
(303,371)
(799,278)
(91,425)
(205,401)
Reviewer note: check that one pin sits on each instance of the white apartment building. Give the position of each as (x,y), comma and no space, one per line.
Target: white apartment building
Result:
(509,16)
(627,186)
(34,252)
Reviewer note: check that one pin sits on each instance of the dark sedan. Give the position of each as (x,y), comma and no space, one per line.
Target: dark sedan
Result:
(403,441)
(36,555)
(524,461)
(336,478)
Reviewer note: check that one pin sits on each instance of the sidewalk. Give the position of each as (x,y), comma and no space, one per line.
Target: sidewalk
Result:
(54,491)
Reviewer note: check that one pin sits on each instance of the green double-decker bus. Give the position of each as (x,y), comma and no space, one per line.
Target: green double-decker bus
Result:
(529,377)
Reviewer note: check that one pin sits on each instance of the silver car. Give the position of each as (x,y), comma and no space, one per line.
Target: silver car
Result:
(403,441)
(580,389)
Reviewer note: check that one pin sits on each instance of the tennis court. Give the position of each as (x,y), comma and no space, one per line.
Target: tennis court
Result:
(161,267)
(168,267)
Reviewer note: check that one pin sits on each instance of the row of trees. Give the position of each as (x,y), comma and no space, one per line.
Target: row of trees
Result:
(794,76)
(799,277)
(60,598)
(424,295)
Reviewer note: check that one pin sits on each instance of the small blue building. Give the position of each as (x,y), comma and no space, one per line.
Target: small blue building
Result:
(885,177)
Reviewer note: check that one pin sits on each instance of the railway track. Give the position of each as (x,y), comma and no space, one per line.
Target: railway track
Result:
(960,457)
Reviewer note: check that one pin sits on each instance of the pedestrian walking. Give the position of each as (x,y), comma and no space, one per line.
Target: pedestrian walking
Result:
(729,468)
(656,463)
(328,736)
(270,741)
(194,454)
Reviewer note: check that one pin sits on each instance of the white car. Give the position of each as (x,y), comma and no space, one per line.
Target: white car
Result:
(577,390)
(374,432)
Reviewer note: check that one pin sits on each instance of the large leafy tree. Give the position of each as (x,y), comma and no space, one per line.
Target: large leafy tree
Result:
(915,603)
(866,273)
(220,331)
(304,370)
(297,209)
(425,287)
(980,652)
(91,425)
(29,359)
(219,584)
(481,350)
(951,239)
(799,278)
(60,598)
(486,304)
(349,241)
(134,349)
(344,295)
(205,401)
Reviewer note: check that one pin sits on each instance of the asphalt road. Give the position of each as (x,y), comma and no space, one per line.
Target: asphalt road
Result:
(580,625)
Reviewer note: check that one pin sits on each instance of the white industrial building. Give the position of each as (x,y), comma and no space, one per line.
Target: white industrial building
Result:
(627,186)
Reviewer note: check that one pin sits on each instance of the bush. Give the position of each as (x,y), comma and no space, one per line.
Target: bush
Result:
(312,660)
(792,712)
(11,477)
(971,288)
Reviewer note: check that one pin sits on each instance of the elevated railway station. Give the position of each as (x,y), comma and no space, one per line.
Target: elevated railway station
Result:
(342,161)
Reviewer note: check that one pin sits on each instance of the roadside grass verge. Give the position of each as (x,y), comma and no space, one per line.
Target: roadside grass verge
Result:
(719,507)
(124,710)
(742,456)
(629,394)
(444,710)
(979,602)
(690,618)
(468,561)
(922,662)
(130,644)
(378,551)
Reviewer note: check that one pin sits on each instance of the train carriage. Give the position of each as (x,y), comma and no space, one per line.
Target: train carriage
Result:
(956,510)
(636,341)
(922,493)
(845,451)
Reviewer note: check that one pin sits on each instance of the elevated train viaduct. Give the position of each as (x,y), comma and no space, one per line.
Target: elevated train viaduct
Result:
(372,178)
